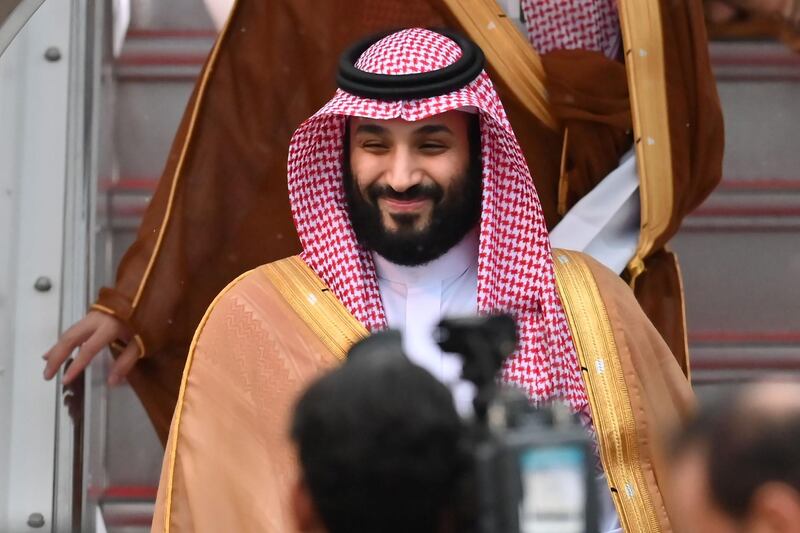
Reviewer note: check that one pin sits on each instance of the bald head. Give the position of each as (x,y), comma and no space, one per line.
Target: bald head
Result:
(737,465)
(771,398)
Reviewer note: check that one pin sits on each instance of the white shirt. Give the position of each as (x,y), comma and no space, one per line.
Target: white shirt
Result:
(416,298)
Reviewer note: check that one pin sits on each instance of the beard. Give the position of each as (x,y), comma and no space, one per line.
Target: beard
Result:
(455,212)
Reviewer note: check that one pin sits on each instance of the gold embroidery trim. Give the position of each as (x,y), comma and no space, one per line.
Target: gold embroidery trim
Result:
(319,308)
(201,92)
(642,35)
(176,420)
(140,343)
(508,53)
(117,346)
(687,363)
(103,309)
(563,180)
(612,412)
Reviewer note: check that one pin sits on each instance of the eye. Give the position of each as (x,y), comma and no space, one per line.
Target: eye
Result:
(374,146)
(432,147)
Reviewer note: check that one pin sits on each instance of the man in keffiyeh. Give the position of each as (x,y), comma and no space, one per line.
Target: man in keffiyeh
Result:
(412,201)
(220,207)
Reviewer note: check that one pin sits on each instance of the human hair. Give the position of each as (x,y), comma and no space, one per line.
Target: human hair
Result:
(745,446)
(380,446)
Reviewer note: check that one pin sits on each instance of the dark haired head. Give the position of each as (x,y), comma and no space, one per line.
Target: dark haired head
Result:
(379,443)
(746,442)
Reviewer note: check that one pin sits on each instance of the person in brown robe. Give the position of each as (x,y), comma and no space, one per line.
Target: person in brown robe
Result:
(220,206)
(755,20)
(724,11)
(382,188)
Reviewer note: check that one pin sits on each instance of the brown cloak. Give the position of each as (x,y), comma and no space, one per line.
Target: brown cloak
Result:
(229,464)
(221,206)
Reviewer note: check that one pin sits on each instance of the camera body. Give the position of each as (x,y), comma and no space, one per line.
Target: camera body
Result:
(533,467)
(533,470)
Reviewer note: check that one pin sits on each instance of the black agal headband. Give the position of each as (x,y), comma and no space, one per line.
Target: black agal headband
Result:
(392,88)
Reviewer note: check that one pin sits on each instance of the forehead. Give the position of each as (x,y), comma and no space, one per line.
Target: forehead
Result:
(455,121)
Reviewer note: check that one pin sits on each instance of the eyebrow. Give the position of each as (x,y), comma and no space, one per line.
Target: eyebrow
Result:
(371,128)
(429,129)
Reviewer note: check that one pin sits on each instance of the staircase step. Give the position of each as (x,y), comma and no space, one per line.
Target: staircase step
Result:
(179,14)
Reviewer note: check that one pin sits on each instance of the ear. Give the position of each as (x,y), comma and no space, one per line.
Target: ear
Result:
(305,513)
(775,508)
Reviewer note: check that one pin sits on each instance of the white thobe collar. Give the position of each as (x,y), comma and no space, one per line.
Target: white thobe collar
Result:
(416,298)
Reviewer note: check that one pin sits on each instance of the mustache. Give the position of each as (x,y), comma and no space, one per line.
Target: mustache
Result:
(416,192)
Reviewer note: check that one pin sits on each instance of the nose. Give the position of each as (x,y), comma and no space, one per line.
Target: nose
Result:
(402,172)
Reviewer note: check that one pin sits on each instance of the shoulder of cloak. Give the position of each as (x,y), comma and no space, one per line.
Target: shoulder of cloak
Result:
(252,354)
(637,392)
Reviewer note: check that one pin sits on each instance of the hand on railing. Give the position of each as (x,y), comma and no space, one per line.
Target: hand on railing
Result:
(92,333)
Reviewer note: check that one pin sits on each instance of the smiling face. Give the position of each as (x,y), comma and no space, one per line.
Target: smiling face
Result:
(413,188)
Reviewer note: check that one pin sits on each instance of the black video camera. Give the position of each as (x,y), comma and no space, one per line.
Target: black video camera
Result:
(533,468)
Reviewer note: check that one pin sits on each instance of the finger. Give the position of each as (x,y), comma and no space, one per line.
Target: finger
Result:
(88,351)
(124,363)
(70,339)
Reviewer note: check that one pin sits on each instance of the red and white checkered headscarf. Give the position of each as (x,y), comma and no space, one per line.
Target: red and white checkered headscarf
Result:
(515,270)
(573,24)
